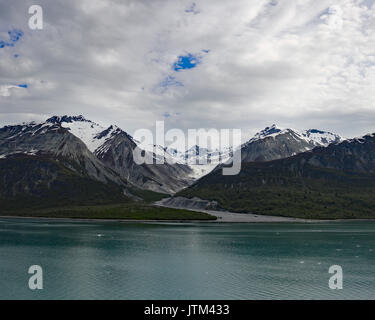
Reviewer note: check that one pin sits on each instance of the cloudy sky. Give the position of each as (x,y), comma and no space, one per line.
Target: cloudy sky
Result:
(195,64)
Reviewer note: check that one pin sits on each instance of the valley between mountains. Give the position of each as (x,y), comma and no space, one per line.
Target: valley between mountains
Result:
(72,167)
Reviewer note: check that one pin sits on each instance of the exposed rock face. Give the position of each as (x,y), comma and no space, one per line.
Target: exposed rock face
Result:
(354,155)
(40,181)
(321,138)
(114,148)
(273,143)
(55,142)
(337,181)
(106,154)
(44,164)
(117,153)
(92,134)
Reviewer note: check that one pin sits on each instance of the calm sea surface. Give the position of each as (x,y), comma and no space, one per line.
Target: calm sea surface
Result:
(109,260)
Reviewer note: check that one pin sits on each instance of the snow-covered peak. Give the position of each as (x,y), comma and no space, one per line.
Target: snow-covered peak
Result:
(30,128)
(67,119)
(158,152)
(360,139)
(268,131)
(271,131)
(313,137)
(196,151)
(91,133)
(321,138)
(201,160)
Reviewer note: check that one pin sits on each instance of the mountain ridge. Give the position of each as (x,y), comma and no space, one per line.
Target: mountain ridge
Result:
(331,182)
(276,143)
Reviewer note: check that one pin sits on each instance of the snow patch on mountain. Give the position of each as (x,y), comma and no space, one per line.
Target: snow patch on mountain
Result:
(201,160)
(321,138)
(91,133)
(271,131)
(312,136)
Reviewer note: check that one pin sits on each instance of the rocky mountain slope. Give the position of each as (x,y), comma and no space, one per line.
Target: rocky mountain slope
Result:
(337,181)
(45,163)
(117,153)
(53,141)
(67,154)
(38,181)
(114,148)
(274,143)
(201,160)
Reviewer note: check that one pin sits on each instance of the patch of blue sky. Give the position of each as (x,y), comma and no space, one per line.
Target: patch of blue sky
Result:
(14,36)
(188,61)
(4,44)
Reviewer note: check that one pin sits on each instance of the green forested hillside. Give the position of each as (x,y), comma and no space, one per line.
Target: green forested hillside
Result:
(276,188)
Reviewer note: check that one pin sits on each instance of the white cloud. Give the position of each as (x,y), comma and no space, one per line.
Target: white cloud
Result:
(299,63)
(7,90)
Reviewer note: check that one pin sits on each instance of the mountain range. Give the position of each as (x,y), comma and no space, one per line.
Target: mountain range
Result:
(114,148)
(70,159)
(274,143)
(336,181)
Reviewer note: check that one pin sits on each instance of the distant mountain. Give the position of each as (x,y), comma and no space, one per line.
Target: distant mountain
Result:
(53,141)
(201,160)
(269,144)
(321,138)
(91,133)
(117,153)
(337,181)
(311,136)
(275,143)
(196,155)
(74,147)
(45,163)
(114,148)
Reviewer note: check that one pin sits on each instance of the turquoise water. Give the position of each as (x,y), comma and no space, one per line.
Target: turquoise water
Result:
(109,260)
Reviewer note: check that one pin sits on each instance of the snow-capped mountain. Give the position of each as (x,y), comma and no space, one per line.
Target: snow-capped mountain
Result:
(201,160)
(275,143)
(52,141)
(113,148)
(72,160)
(337,181)
(269,144)
(321,138)
(107,152)
(91,133)
(312,136)
(160,153)
(117,153)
